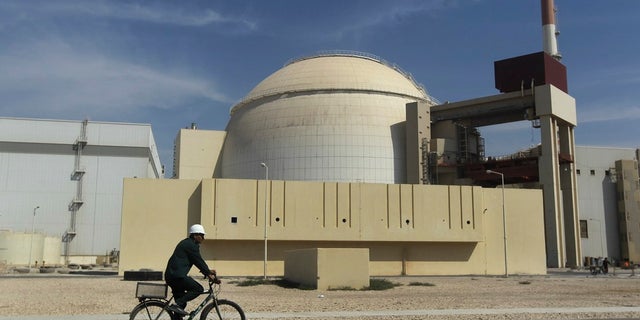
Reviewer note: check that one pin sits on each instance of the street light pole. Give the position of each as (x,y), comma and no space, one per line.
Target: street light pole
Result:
(504,223)
(33,223)
(266,196)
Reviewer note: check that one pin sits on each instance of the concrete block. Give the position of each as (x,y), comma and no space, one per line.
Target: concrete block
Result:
(326,268)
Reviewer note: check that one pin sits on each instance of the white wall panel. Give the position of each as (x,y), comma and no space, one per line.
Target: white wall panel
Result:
(112,134)
(36,164)
(597,201)
(39,131)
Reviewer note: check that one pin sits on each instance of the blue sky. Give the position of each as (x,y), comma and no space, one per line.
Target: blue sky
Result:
(171,63)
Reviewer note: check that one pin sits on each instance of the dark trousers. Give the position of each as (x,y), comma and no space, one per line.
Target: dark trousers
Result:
(185,290)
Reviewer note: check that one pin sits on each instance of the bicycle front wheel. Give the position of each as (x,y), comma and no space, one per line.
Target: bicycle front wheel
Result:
(150,310)
(228,310)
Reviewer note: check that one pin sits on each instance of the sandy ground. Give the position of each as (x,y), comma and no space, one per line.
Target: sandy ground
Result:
(36,294)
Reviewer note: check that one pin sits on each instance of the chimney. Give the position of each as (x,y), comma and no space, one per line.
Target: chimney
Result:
(549,33)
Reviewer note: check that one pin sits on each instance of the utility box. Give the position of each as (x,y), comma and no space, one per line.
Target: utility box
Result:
(142,275)
(531,70)
(326,268)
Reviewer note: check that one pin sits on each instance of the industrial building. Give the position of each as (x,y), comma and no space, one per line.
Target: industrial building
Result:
(371,148)
(61,187)
(609,199)
(344,150)
(333,117)
(333,151)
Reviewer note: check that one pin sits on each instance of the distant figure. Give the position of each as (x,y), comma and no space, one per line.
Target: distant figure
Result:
(605,266)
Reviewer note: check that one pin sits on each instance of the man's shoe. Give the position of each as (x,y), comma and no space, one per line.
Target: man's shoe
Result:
(177,310)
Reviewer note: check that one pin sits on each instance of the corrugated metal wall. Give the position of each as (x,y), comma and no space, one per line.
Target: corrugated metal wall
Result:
(597,198)
(37,160)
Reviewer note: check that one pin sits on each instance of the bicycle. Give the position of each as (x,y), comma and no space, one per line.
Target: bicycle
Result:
(154,304)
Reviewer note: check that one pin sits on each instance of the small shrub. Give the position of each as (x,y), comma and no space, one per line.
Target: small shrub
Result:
(426,284)
(284,283)
(525,282)
(380,284)
(252,282)
(345,288)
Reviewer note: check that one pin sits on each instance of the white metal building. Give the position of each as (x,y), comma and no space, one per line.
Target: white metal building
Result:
(598,199)
(64,179)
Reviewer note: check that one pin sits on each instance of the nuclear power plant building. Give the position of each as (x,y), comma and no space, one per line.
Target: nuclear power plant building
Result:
(335,151)
(316,156)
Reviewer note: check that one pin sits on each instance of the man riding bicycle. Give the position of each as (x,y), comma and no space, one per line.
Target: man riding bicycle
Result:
(186,255)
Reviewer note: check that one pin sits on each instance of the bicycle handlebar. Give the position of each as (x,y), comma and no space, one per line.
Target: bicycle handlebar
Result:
(213,280)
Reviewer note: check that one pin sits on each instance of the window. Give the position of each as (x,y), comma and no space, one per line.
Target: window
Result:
(593,172)
(578,171)
(584,229)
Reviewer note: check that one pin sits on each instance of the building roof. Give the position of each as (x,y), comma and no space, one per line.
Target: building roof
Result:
(339,71)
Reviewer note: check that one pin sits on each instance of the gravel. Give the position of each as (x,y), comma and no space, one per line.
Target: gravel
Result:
(33,294)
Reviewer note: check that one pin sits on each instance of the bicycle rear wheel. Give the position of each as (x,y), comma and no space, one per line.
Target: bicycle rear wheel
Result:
(149,310)
(228,310)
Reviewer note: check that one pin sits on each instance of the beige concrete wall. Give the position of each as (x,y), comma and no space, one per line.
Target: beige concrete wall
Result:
(628,209)
(16,248)
(409,229)
(525,231)
(155,217)
(52,251)
(197,153)
(329,211)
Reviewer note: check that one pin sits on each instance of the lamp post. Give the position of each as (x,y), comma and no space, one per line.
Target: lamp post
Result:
(33,222)
(504,222)
(266,196)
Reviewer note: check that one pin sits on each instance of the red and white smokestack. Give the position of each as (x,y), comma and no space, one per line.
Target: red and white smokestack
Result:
(549,33)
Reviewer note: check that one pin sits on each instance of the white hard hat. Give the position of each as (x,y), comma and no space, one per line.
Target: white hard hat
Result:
(196,228)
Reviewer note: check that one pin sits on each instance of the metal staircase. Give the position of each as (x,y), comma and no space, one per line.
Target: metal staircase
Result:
(77,201)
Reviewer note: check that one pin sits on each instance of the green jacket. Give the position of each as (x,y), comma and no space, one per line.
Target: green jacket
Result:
(186,255)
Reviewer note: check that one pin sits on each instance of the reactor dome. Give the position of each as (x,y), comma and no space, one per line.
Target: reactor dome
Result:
(329,117)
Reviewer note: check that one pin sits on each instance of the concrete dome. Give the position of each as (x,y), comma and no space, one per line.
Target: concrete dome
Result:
(331,117)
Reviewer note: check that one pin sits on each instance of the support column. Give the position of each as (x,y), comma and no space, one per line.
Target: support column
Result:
(418,134)
(557,112)
(549,166)
(568,182)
